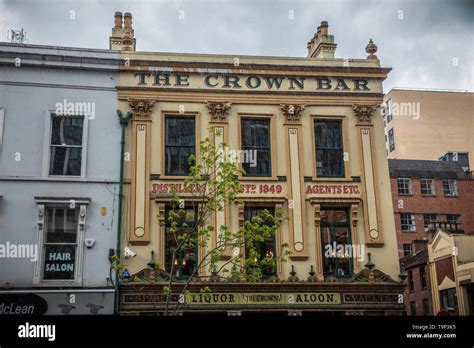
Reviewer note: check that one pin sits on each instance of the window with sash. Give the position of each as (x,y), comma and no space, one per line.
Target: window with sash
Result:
(427,187)
(180,144)
(256,144)
(66,145)
(407,222)
(404,186)
(329,149)
(450,187)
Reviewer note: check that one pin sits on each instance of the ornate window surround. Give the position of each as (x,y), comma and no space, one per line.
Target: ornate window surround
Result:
(42,203)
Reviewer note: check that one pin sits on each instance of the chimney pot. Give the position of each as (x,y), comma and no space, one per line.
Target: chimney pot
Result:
(118,20)
(127,20)
(324,28)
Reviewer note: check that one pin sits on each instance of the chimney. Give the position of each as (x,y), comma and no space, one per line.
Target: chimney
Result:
(419,244)
(123,37)
(322,44)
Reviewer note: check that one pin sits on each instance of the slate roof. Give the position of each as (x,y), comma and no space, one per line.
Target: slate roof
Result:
(418,259)
(401,168)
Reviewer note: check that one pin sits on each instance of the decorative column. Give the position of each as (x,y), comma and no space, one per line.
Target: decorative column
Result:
(355,233)
(373,233)
(297,228)
(219,112)
(141,158)
(319,251)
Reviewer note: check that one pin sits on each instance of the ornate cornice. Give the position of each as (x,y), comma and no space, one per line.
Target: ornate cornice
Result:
(292,112)
(218,110)
(141,107)
(364,112)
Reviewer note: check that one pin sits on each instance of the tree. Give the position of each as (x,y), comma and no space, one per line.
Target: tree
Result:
(211,185)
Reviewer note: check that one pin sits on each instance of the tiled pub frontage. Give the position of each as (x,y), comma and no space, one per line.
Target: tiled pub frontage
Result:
(316,126)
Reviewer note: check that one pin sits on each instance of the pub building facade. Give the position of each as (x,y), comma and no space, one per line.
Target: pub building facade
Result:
(319,137)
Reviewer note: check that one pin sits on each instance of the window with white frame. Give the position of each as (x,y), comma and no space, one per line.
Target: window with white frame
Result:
(427,187)
(407,249)
(391,140)
(66,145)
(389,111)
(428,219)
(404,186)
(61,224)
(407,222)
(2,119)
(450,187)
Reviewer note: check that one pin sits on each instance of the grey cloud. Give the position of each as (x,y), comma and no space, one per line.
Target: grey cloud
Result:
(421,47)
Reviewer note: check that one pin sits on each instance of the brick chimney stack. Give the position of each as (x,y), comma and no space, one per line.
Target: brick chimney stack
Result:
(322,44)
(419,244)
(123,37)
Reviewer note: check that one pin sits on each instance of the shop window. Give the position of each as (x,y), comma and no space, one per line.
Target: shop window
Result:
(329,149)
(404,186)
(450,187)
(267,247)
(407,222)
(427,187)
(185,261)
(407,249)
(61,228)
(423,280)
(180,144)
(256,147)
(66,147)
(60,243)
(448,299)
(335,231)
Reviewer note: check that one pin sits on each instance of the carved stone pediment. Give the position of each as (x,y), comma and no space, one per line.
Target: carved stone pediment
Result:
(141,107)
(218,110)
(292,112)
(371,276)
(151,275)
(364,112)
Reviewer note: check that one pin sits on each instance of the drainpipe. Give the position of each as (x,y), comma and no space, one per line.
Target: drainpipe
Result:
(123,124)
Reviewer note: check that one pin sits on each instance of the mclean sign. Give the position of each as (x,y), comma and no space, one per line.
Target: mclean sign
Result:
(250,82)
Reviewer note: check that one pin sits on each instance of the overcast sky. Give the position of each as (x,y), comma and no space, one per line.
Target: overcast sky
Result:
(428,43)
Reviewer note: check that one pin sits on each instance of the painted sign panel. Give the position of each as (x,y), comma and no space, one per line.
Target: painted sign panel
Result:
(263,298)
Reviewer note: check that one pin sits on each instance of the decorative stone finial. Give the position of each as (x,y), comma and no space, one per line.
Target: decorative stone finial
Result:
(371,48)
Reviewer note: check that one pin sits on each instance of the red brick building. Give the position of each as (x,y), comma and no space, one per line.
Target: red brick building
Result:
(439,194)
(417,294)
(427,196)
